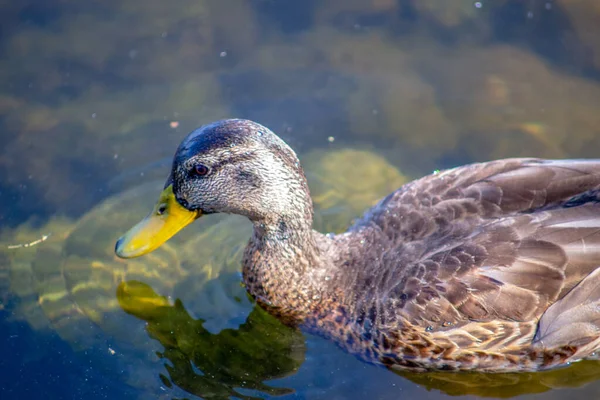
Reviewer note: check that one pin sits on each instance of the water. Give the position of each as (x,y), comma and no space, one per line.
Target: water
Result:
(94,97)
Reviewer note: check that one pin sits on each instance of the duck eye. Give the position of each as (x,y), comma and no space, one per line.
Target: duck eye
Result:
(200,169)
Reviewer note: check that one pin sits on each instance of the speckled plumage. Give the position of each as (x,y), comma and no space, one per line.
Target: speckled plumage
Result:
(490,266)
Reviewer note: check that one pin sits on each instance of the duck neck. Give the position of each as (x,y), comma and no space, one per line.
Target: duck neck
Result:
(285,265)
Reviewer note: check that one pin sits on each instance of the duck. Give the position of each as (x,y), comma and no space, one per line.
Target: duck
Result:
(490,266)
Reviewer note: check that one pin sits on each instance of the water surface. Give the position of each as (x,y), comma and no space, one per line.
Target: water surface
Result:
(95,96)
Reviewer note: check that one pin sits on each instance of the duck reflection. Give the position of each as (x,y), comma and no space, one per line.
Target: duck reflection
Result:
(233,362)
(239,362)
(511,384)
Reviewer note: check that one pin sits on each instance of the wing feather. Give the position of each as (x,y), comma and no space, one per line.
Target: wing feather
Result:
(490,242)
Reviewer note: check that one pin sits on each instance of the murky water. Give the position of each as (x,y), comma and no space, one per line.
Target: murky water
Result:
(95,96)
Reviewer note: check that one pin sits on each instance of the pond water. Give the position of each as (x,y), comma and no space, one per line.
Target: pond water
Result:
(95,96)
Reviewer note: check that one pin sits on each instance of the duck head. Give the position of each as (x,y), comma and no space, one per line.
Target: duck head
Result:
(232,166)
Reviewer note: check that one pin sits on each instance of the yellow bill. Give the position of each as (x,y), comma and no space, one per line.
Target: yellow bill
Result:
(166,219)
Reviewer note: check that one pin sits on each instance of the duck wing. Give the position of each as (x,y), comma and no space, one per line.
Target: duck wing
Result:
(497,241)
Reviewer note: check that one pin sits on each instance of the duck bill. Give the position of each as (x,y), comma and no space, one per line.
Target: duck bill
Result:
(166,219)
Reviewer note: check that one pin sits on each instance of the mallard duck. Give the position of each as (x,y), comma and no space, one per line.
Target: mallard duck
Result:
(489,266)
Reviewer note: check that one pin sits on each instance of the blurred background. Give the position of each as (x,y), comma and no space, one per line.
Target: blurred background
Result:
(96,95)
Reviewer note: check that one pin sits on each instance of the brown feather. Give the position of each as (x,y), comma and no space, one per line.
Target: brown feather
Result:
(497,243)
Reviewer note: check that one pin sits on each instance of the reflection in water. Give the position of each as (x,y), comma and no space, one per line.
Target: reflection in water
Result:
(215,366)
(507,385)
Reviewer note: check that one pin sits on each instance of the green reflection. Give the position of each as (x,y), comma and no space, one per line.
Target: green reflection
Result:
(507,385)
(215,366)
